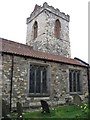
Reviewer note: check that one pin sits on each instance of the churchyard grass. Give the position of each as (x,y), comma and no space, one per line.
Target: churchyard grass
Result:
(69,111)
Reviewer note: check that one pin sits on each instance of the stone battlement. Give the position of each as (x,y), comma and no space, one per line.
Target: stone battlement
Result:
(38,9)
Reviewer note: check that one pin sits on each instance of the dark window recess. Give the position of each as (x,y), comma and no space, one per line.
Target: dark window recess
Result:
(57,29)
(38,79)
(44,81)
(74,81)
(35,29)
(78,81)
(32,80)
(70,81)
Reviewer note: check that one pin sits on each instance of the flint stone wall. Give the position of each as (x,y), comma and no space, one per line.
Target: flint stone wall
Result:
(58,84)
(46,40)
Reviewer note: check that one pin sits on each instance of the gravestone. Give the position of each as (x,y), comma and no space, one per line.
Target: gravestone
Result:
(77,100)
(19,111)
(5,110)
(45,107)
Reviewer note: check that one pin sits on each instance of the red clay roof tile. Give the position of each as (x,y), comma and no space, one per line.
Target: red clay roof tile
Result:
(25,50)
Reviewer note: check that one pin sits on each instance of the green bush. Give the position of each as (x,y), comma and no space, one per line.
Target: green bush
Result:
(84,107)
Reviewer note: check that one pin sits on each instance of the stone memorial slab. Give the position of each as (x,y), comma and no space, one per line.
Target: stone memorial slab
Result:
(77,100)
(19,111)
(5,110)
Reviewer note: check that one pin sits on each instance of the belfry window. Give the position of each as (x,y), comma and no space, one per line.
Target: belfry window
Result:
(38,80)
(74,81)
(57,29)
(35,29)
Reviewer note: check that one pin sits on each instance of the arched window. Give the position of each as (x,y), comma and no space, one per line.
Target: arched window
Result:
(57,29)
(74,81)
(35,29)
(38,80)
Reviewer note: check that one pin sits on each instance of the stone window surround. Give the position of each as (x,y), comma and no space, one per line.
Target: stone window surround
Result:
(48,80)
(72,93)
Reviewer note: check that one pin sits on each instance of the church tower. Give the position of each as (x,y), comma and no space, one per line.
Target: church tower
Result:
(48,30)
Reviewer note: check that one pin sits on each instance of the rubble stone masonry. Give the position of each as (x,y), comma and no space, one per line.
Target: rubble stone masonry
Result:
(46,40)
(58,81)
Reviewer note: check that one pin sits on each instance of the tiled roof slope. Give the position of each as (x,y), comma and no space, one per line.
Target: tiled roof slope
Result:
(25,50)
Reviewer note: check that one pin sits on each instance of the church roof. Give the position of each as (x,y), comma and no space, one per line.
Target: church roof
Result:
(15,48)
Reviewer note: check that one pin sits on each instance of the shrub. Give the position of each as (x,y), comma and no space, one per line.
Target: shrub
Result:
(84,107)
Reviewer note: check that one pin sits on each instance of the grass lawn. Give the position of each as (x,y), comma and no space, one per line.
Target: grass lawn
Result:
(58,112)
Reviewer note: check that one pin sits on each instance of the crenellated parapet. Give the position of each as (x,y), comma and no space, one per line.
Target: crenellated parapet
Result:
(39,9)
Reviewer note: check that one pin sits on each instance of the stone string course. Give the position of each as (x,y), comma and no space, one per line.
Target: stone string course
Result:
(58,85)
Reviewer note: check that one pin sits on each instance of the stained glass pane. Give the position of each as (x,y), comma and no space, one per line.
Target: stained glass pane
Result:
(74,82)
(70,81)
(38,80)
(44,81)
(32,80)
(78,82)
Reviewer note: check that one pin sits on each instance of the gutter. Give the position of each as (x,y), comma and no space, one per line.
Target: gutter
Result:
(44,59)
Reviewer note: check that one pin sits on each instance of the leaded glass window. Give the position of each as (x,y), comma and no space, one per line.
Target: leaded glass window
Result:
(38,79)
(78,81)
(44,80)
(74,81)
(32,80)
(70,81)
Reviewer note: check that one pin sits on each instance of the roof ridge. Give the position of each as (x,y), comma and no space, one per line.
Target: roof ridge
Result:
(16,42)
(16,48)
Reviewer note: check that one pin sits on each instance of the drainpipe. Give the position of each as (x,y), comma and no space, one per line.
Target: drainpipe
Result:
(11,82)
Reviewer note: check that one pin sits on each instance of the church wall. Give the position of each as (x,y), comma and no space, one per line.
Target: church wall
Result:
(41,30)
(57,46)
(58,84)
(46,40)
(6,76)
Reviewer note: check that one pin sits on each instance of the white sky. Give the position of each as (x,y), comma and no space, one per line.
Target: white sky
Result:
(13,14)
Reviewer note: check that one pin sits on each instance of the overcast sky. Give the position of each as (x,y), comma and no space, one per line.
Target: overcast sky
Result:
(13,14)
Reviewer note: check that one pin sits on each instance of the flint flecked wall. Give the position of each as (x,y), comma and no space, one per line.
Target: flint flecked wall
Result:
(46,40)
(58,84)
